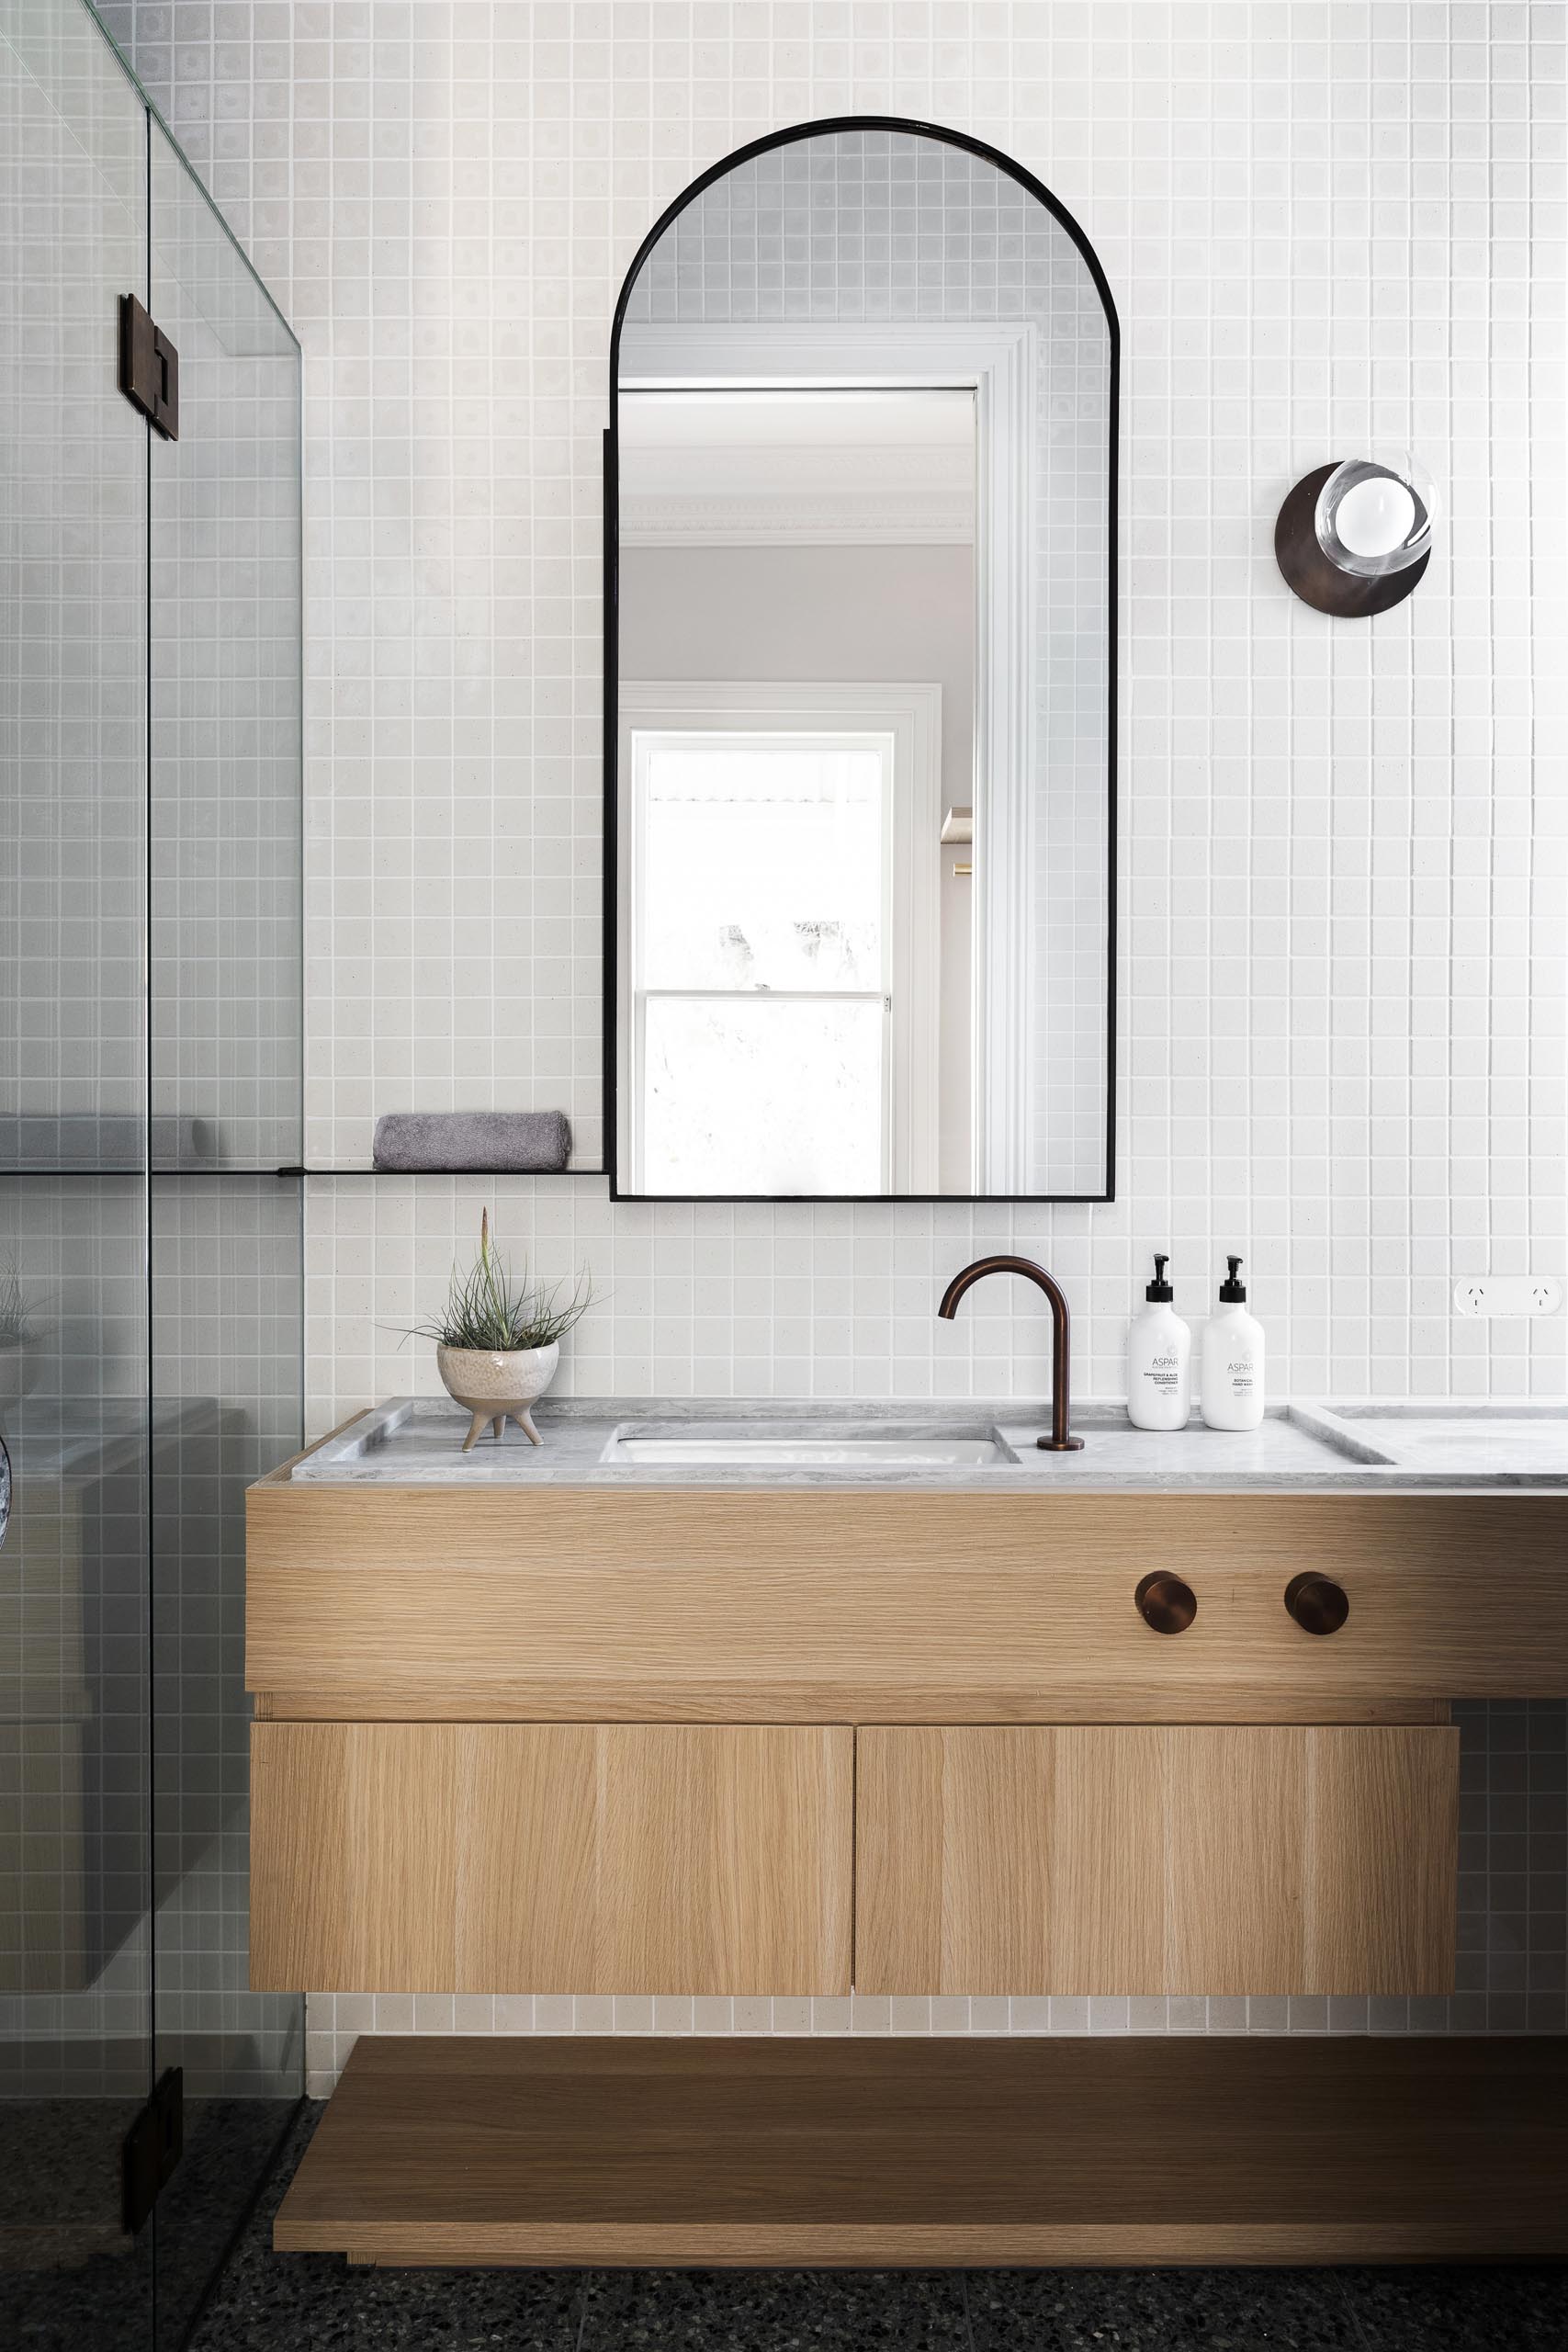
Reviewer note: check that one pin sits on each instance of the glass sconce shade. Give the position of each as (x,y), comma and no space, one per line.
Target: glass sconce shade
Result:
(1354,538)
(1372,520)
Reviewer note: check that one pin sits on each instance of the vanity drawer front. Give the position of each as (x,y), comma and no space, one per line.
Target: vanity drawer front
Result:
(757,1606)
(1156,1860)
(556,1858)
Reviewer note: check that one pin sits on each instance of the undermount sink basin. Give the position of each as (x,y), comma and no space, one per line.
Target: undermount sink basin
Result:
(739,1445)
(1456,1435)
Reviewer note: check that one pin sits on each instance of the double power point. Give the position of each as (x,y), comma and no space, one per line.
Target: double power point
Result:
(1508,1294)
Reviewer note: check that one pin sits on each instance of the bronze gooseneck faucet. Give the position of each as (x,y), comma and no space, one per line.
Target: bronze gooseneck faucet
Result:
(1059,1440)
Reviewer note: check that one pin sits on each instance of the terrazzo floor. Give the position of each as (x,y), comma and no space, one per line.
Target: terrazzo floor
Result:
(272,2302)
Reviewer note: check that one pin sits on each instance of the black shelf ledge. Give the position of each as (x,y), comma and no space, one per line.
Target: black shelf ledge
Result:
(530,1175)
(135,1167)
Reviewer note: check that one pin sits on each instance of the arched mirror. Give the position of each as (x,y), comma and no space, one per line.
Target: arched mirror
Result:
(861,683)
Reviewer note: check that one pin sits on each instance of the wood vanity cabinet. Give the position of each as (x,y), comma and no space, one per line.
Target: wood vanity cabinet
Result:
(754,1742)
(1155,1859)
(502,1858)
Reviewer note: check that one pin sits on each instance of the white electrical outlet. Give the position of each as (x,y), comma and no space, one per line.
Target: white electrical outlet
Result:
(1508,1294)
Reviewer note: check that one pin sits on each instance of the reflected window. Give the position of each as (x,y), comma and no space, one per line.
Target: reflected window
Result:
(772,1044)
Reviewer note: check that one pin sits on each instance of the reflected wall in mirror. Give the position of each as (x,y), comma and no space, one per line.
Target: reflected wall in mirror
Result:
(860,664)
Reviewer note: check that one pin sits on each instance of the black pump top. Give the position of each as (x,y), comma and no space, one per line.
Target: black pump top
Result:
(1159,1291)
(1233,1292)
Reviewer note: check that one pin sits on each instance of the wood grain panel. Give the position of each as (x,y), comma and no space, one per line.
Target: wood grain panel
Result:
(1235,1825)
(562,1858)
(1103,1878)
(528,1834)
(1054,2149)
(1158,1862)
(551,1700)
(353,1864)
(1382,1819)
(861,1605)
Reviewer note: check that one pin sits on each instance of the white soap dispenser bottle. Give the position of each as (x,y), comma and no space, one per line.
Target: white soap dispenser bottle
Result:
(1231,1386)
(1159,1359)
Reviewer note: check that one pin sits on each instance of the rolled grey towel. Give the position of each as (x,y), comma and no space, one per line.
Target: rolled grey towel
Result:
(487,1143)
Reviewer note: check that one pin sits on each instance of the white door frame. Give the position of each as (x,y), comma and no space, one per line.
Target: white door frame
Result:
(910,714)
(997,359)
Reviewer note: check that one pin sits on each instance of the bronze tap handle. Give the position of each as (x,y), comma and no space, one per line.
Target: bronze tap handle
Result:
(1317,1604)
(1164,1603)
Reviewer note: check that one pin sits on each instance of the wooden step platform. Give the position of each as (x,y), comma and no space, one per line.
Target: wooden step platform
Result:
(856,2153)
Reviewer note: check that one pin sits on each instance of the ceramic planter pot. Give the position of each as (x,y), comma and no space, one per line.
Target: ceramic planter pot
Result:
(497,1388)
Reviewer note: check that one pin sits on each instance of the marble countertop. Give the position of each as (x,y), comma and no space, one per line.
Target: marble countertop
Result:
(1442,1445)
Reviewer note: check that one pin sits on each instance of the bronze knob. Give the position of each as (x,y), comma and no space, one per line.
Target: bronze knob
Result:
(1164,1603)
(1317,1604)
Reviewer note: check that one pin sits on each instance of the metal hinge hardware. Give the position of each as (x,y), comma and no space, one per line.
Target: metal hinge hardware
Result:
(149,368)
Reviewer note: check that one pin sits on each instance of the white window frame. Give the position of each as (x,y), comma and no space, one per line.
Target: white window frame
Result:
(998,361)
(909,715)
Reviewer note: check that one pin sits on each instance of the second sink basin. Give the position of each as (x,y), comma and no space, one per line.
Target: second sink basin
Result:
(1466,1438)
(783,1445)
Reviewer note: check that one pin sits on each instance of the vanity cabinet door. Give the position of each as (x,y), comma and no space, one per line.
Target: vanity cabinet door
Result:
(562,1858)
(1156,1860)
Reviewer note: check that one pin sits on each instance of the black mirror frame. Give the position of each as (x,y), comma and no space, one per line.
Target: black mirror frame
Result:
(610,913)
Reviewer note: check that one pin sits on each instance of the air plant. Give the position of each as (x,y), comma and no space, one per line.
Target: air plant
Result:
(489,1309)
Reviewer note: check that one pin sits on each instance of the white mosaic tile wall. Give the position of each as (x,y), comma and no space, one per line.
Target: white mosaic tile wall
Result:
(1344,847)
(74,642)
(226,717)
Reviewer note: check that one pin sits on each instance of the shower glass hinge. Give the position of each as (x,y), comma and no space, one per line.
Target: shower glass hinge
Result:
(149,368)
(152,2148)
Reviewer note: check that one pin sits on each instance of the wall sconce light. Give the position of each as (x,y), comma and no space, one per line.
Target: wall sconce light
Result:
(1353,538)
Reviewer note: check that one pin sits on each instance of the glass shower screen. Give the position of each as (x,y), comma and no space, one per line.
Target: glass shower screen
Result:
(149,1250)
